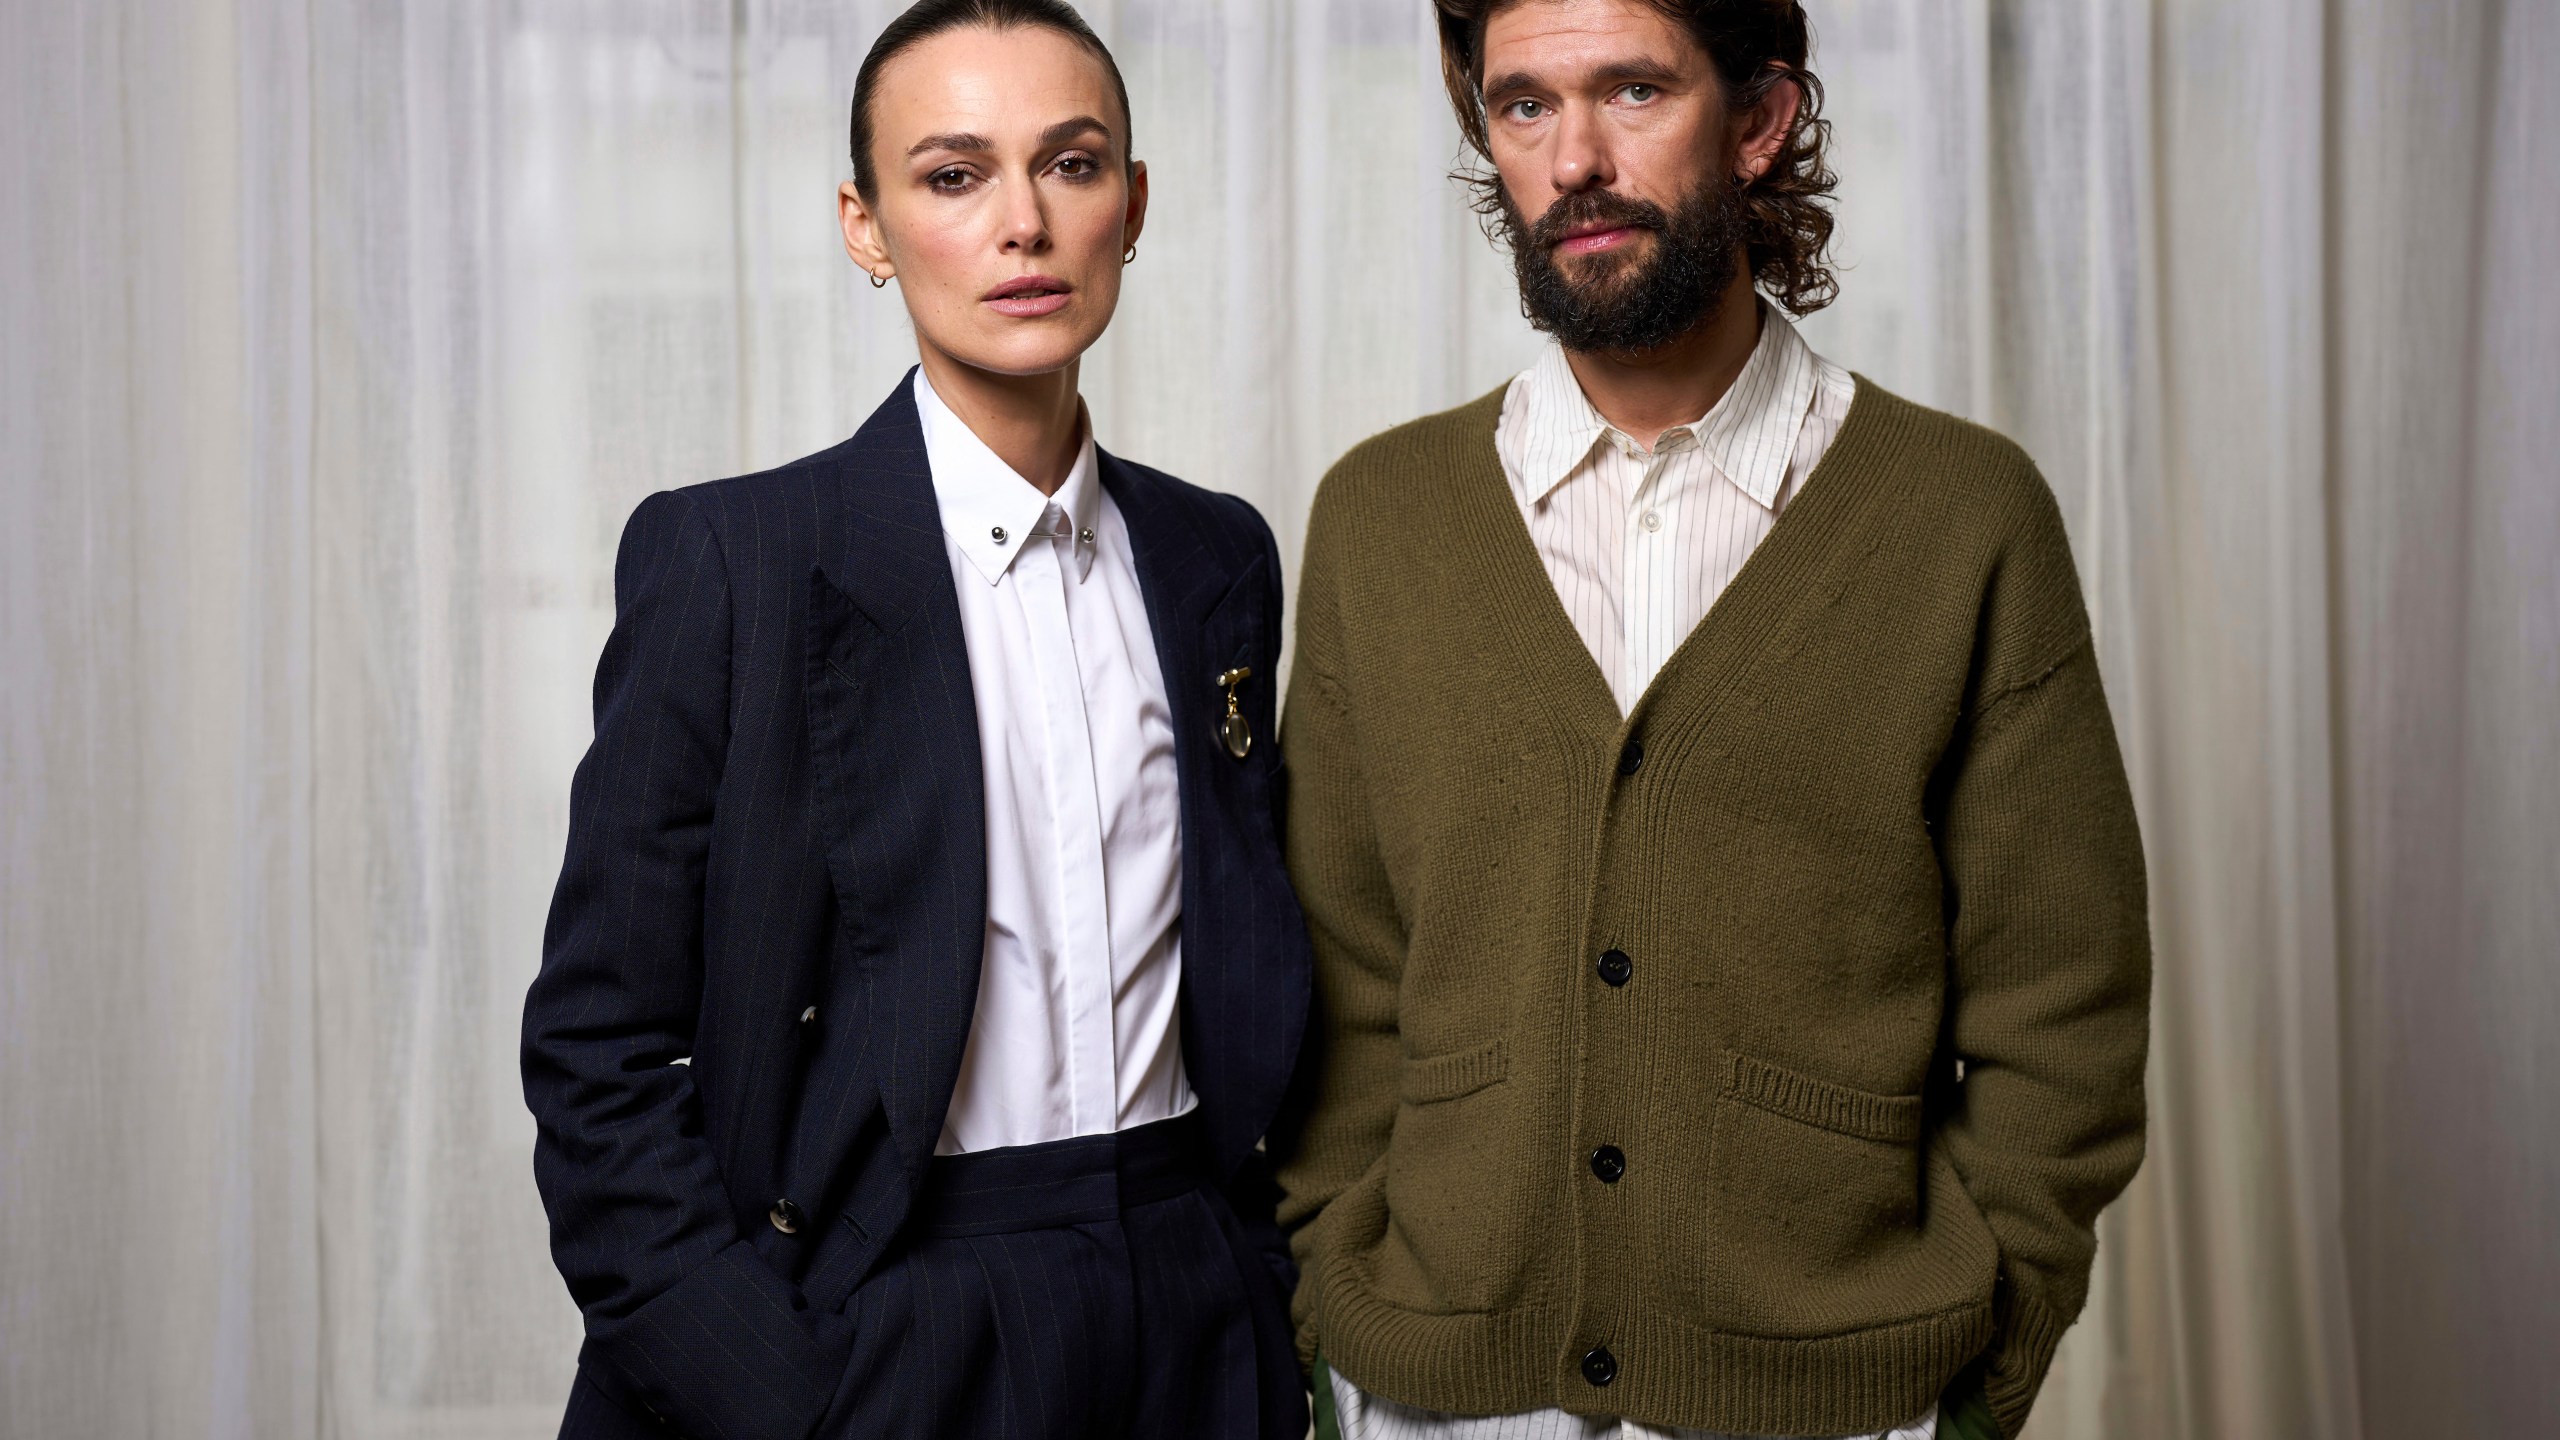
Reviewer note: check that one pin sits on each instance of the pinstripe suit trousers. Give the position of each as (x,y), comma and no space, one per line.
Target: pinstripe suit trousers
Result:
(1093,1287)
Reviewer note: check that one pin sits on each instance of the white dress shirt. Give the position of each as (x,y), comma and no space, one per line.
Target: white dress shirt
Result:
(1078,1025)
(1639,543)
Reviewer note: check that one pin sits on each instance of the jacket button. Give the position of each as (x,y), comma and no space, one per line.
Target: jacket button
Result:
(786,1217)
(1608,1162)
(1615,967)
(809,1015)
(1599,1366)
(1631,758)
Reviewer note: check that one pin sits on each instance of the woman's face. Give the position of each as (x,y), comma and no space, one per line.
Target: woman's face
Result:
(1005,197)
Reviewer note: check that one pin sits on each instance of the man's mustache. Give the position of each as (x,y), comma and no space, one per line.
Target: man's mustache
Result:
(1590,207)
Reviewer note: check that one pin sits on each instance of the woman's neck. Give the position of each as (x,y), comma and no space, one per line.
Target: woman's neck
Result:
(1034,423)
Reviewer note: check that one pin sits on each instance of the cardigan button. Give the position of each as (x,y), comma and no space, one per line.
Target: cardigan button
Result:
(1615,967)
(1599,1366)
(1631,758)
(1608,1163)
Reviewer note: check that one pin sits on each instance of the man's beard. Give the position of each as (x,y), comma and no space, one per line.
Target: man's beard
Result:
(1619,302)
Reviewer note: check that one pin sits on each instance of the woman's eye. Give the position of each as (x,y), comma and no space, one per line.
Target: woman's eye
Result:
(1076,167)
(950,180)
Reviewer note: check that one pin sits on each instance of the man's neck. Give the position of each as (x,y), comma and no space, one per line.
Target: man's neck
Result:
(1034,423)
(1644,393)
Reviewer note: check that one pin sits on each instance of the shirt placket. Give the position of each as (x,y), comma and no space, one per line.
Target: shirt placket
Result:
(1645,569)
(1084,939)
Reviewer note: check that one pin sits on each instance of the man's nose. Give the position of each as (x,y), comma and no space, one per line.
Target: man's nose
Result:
(1581,159)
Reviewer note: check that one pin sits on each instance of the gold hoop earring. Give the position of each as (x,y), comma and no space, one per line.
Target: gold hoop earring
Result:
(877,279)
(1129,256)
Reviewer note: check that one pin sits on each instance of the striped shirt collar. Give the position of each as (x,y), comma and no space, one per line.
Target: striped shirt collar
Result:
(1749,434)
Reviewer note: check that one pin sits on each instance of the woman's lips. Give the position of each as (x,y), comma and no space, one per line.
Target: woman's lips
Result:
(1029,296)
(1594,241)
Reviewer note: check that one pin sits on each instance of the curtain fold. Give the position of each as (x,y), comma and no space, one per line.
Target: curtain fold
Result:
(341,335)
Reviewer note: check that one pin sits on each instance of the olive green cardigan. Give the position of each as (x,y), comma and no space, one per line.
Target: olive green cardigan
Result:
(1837,943)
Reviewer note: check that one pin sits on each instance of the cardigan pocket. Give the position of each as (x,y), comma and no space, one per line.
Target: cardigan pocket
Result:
(1888,1119)
(1458,1188)
(1827,1209)
(1447,1077)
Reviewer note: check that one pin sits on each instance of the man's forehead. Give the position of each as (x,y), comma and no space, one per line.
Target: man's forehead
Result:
(1544,37)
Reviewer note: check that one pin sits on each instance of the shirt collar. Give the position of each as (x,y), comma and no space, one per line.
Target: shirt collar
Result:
(1749,434)
(1557,426)
(990,512)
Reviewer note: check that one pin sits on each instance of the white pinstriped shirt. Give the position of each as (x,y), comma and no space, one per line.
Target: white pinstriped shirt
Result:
(1639,544)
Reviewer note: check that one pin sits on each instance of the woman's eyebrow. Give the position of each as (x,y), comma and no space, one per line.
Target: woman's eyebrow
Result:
(1066,130)
(969,143)
(955,140)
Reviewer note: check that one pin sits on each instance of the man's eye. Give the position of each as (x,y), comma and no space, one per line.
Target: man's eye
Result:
(1525,109)
(1639,93)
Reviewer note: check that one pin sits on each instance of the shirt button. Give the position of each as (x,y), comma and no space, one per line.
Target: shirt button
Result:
(1608,1163)
(786,1217)
(1615,967)
(1631,758)
(996,533)
(1599,1366)
(1652,521)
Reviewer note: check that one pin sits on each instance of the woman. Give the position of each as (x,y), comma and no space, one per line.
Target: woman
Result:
(922,971)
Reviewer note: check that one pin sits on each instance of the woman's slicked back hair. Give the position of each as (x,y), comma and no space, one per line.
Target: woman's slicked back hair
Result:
(928,18)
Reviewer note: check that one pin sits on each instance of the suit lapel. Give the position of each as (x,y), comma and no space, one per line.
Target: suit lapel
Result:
(1187,583)
(1196,597)
(893,734)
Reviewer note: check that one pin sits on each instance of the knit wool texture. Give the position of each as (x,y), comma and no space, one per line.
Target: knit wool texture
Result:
(1868,849)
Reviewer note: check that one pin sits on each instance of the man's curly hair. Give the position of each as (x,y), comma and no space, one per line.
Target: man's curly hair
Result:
(1756,46)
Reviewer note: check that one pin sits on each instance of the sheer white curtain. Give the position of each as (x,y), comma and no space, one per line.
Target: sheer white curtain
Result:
(340,337)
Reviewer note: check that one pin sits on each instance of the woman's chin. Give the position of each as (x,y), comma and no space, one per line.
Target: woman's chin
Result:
(1036,347)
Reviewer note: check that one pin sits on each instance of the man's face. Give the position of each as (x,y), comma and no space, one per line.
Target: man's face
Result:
(1606,123)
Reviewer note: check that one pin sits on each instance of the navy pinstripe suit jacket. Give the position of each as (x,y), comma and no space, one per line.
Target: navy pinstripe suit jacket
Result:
(782,809)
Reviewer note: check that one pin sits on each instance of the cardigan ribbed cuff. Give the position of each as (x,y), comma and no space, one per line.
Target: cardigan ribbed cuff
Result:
(2021,1353)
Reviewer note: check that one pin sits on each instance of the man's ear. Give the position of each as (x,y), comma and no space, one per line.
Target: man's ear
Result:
(1766,126)
(862,233)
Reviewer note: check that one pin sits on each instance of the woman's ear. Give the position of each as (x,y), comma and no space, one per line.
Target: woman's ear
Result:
(1765,128)
(1136,218)
(862,239)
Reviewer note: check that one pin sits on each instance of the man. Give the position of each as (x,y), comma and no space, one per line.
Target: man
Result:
(1729,917)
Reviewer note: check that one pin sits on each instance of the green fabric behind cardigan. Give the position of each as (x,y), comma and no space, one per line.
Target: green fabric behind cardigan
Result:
(1878,826)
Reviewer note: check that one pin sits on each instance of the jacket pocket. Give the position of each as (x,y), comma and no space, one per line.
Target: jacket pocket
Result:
(1827,1210)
